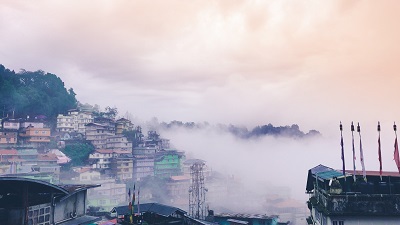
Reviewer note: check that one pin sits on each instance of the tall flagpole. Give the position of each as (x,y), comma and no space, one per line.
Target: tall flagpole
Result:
(379,150)
(396,149)
(138,201)
(361,154)
(342,144)
(354,152)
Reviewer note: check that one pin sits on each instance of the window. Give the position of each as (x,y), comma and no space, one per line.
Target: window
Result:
(338,222)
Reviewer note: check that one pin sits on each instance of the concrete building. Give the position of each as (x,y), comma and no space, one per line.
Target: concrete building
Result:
(32,123)
(167,163)
(28,201)
(97,134)
(145,151)
(123,125)
(337,199)
(122,167)
(8,138)
(10,124)
(143,166)
(108,195)
(34,136)
(73,121)
(118,142)
(101,158)
(48,163)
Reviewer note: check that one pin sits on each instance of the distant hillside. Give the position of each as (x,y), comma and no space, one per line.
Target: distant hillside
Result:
(242,132)
(33,93)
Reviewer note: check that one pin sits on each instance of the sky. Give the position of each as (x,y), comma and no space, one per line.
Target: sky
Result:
(311,63)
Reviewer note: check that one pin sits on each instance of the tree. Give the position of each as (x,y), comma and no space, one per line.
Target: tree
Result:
(78,153)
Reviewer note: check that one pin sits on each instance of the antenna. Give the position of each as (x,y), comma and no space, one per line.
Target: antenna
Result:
(197,191)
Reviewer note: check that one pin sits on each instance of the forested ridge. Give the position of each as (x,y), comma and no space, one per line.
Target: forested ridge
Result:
(33,94)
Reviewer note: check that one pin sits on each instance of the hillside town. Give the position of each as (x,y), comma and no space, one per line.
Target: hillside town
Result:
(120,157)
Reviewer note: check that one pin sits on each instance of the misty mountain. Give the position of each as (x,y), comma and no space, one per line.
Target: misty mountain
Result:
(241,131)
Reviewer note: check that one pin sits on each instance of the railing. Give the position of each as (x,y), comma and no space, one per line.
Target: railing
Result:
(358,204)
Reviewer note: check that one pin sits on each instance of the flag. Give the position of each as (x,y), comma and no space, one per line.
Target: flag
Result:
(138,198)
(344,165)
(396,154)
(380,155)
(133,201)
(362,161)
(129,194)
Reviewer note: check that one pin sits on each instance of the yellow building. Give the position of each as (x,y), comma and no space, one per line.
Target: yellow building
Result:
(35,136)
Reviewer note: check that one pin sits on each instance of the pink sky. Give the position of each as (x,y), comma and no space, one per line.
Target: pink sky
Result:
(313,63)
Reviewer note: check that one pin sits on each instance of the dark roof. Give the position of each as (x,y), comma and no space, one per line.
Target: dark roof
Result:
(157,208)
(323,173)
(8,184)
(80,220)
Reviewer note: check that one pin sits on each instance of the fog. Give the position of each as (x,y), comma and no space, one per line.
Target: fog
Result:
(276,165)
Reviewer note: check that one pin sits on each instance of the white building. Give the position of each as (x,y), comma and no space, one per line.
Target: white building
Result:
(73,121)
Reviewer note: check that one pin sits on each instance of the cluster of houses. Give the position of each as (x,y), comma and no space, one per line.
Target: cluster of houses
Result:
(29,148)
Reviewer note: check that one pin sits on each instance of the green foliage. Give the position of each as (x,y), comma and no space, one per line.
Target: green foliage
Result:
(135,136)
(108,112)
(78,153)
(34,93)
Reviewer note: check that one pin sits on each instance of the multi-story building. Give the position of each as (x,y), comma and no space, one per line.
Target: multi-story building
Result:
(123,125)
(101,158)
(48,163)
(118,142)
(32,123)
(148,151)
(178,186)
(116,163)
(7,157)
(108,195)
(35,136)
(74,121)
(107,122)
(10,124)
(8,137)
(97,134)
(143,166)
(337,199)
(168,163)
(122,167)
